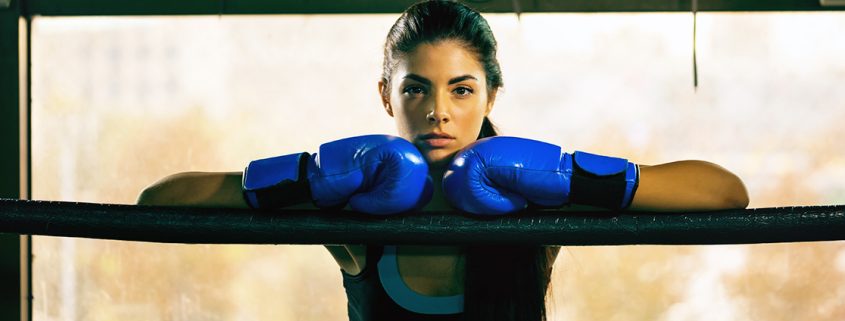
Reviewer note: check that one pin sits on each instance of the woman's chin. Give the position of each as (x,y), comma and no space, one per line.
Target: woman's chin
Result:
(438,158)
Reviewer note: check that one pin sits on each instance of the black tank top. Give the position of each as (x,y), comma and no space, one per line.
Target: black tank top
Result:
(368,298)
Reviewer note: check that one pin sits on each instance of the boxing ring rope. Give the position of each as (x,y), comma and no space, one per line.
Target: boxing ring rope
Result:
(245,226)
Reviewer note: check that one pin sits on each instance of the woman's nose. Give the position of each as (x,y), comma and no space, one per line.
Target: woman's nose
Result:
(440,111)
(435,117)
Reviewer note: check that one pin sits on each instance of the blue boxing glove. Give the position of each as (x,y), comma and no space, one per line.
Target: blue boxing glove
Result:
(376,174)
(499,175)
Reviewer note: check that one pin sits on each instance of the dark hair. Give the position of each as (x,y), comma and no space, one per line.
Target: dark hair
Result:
(434,21)
(501,282)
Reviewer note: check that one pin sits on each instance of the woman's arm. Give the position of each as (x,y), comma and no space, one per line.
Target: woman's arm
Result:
(224,190)
(196,189)
(688,186)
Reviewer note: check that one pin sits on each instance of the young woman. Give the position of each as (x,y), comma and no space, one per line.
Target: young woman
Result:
(439,83)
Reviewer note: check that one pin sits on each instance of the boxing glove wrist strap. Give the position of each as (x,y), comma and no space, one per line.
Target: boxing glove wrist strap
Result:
(603,181)
(277,181)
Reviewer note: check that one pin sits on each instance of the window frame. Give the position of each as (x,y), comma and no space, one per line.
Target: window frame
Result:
(15,86)
(206,7)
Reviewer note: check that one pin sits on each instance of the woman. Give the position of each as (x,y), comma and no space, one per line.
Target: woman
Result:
(439,83)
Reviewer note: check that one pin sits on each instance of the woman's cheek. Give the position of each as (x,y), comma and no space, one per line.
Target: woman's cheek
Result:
(405,124)
(471,119)
(413,116)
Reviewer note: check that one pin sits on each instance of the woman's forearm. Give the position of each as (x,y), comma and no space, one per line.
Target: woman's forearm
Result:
(688,185)
(196,189)
(683,185)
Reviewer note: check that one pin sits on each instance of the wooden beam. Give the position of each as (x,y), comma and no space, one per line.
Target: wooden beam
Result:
(244,226)
(13,274)
(209,7)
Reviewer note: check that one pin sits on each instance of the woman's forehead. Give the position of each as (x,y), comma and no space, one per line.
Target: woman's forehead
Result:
(438,61)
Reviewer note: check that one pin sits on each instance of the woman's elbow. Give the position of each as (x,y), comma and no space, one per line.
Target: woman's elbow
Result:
(734,194)
(145,198)
(742,199)
(738,198)
(715,188)
(162,192)
(150,196)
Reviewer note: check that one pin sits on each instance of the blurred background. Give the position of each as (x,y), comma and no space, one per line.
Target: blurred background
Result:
(120,102)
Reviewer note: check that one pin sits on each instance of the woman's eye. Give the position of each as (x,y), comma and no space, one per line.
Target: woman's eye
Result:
(463,91)
(414,90)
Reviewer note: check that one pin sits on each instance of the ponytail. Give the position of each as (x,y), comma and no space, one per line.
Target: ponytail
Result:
(487,129)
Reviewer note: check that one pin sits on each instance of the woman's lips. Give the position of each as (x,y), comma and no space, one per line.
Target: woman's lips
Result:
(436,140)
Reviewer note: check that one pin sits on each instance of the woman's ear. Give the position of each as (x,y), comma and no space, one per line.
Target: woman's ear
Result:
(385,99)
(491,98)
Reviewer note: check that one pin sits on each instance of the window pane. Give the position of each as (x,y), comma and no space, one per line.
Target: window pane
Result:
(119,103)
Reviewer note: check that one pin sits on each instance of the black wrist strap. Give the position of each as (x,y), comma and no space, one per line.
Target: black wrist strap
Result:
(605,191)
(287,192)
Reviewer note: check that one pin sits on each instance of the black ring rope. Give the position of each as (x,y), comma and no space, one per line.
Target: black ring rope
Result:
(245,226)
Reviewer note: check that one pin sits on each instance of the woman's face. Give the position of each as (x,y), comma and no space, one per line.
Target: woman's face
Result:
(439,98)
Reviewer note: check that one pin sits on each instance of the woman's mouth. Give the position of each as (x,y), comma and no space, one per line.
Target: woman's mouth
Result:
(436,140)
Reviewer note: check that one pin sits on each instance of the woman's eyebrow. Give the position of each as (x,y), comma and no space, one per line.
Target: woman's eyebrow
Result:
(425,81)
(418,78)
(461,78)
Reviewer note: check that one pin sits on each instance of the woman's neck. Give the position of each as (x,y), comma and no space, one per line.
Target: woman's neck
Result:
(438,201)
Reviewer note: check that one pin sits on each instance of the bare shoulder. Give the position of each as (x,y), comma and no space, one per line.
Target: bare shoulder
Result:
(352,259)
